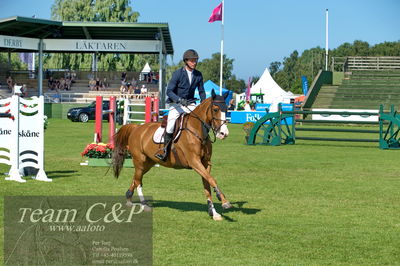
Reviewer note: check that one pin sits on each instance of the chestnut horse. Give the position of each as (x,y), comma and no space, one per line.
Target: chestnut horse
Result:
(192,150)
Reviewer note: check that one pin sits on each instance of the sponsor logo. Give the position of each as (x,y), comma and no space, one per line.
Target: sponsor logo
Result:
(28,134)
(252,117)
(5,131)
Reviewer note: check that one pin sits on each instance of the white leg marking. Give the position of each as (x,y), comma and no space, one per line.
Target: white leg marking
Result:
(140,193)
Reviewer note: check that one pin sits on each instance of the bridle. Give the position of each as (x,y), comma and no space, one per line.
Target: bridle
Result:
(206,125)
(223,121)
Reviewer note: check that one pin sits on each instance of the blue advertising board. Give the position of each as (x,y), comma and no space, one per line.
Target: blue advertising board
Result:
(304,83)
(262,106)
(241,117)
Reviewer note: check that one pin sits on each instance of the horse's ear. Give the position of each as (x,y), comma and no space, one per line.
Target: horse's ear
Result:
(213,94)
(226,94)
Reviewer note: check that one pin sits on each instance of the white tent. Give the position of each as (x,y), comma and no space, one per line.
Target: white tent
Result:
(273,93)
(146,69)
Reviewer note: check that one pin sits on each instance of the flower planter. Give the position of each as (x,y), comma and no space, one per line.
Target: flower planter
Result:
(105,162)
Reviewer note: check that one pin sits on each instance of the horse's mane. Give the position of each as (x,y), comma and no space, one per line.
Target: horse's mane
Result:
(201,109)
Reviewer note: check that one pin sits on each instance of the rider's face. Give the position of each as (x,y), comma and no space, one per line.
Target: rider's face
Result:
(191,63)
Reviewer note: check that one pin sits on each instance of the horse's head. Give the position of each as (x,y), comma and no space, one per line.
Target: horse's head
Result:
(218,114)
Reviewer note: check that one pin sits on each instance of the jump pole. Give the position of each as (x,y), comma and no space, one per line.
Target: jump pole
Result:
(98,131)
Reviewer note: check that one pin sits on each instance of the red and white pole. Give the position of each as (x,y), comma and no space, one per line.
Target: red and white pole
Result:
(111,119)
(155,109)
(98,129)
(147,110)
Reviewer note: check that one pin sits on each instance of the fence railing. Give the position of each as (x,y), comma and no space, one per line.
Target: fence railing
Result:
(89,97)
(365,63)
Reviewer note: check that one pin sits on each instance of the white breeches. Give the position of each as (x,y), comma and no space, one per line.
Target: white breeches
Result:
(174,111)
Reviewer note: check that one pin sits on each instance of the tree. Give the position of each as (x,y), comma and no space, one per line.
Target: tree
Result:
(291,69)
(211,68)
(93,10)
(235,85)
(15,62)
(274,67)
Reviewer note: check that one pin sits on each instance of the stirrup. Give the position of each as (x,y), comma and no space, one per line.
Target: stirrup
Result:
(163,156)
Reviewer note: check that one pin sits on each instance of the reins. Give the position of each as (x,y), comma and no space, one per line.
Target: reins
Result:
(206,125)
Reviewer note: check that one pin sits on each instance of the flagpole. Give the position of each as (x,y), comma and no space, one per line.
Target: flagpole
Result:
(222,48)
(326,40)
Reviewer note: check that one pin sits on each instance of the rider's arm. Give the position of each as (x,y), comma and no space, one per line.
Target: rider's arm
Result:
(201,90)
(172,85)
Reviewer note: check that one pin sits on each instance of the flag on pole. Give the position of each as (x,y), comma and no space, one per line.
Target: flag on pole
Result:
(248,89)
(216,14)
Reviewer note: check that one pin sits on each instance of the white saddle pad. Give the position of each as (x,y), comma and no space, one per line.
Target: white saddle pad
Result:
(158,136)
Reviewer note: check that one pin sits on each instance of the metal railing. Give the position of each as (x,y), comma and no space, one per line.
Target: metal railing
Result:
(90,97)
(351,63)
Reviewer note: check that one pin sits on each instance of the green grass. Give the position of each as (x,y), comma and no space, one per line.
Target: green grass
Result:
(313,203)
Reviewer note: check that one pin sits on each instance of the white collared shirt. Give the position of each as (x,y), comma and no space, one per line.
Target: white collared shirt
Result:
(190,76)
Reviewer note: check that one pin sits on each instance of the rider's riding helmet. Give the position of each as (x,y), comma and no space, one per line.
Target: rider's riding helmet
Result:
(190,54)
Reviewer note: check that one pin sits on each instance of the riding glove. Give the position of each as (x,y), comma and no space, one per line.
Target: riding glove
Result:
(184,102)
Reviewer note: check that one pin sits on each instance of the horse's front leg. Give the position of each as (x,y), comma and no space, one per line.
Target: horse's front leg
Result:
(201,170)
(211,210)
(207,191)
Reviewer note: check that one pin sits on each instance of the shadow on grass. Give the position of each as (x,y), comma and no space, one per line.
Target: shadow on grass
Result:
(61,174)
(337,145)
(194,206)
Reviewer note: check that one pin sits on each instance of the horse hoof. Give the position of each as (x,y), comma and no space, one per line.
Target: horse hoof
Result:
(129,203)
(146,208)
(217,218)
(227,205)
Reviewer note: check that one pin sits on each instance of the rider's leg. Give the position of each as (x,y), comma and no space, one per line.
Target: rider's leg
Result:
(174,111)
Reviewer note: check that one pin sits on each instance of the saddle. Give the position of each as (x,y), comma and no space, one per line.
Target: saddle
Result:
(158,136)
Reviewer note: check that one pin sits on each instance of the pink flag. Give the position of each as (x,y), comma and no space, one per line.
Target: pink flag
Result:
(248,89)
(216,14)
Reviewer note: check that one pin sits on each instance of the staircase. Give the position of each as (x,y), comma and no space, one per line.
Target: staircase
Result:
(368,90)
(325,96)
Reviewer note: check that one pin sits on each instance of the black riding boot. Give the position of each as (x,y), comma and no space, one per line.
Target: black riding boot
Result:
(167,144)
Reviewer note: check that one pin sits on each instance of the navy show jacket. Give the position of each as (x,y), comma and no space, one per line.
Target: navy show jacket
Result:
(180,87)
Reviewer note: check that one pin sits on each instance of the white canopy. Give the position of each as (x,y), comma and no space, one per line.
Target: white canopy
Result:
(146,68)
(273,93)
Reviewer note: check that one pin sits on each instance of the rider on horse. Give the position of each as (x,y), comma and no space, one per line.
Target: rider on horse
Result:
(180,92)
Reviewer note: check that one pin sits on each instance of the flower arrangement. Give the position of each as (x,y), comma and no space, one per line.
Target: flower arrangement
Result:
(98,150)
(46,122)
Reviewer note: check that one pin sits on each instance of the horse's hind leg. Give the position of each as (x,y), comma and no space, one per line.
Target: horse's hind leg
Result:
(141,168)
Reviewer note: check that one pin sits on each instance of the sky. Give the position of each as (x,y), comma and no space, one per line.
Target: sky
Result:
(256,32)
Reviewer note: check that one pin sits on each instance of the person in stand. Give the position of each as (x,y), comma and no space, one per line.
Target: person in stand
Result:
(92,84)
(247,106)
(10,83)
(24,90)
(180,92)
(136,90)
(143,90)
(68,83)
(231,106)
(123,76)
(98,84)
(104,83)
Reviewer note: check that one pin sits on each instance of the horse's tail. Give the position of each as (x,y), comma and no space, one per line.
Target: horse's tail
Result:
(121,139)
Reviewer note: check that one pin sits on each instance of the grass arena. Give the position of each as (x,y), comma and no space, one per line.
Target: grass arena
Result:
(313,203)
